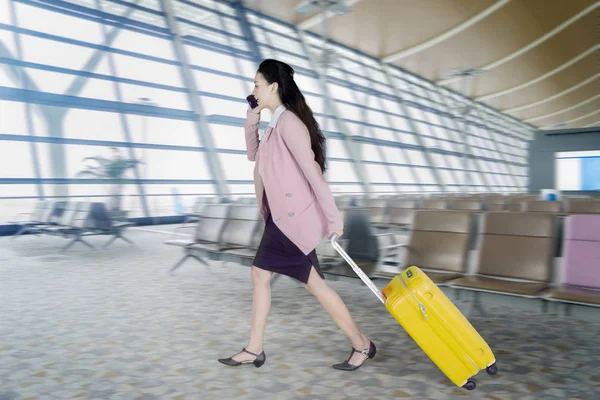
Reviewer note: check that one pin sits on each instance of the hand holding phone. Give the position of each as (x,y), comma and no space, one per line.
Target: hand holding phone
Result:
(253,102)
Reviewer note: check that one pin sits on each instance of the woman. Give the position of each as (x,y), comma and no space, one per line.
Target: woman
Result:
(297,206)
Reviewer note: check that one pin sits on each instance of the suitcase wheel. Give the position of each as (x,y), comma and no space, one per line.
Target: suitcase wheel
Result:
(492,369)
(470,385)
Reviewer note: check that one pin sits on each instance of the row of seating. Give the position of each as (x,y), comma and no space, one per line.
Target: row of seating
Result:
(395,210)
(72,220)
(570,206)
(514,254)
(232,232)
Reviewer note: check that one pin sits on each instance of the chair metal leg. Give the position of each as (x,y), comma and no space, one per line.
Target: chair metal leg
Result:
(545,306)
(71,243)
(76,239)
(126,239)
(474,305)
(179,263)
(112,239)
(274,278)
(88,244)
(116,236)
(478,304)
(202,260)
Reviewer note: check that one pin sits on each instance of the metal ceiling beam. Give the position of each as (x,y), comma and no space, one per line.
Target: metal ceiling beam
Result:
(542,77)
(446,35)
(574,119)
(591,99)
(533,44)
(318,18)
(553,97)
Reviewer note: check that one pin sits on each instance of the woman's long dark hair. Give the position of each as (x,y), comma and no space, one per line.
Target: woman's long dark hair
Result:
(293,99)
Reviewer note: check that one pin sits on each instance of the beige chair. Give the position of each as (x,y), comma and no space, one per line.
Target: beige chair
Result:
(401,213)
(541,206)
(466,205)
(439,243)
(433,204)
(583,206)
(515,255)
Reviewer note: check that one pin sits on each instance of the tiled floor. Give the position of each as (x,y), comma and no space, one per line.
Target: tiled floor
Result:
(112,324)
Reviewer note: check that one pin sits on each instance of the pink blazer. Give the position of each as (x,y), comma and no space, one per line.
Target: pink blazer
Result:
(301,204)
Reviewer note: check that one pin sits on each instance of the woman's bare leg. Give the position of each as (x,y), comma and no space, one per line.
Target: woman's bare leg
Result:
(261,304)
(336,308)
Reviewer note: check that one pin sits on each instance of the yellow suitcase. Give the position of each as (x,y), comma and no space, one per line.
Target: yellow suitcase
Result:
(434,323)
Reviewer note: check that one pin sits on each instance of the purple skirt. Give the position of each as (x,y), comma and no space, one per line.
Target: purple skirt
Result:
(279,254)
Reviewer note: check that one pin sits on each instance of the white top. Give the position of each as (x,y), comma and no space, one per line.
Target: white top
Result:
(274,118)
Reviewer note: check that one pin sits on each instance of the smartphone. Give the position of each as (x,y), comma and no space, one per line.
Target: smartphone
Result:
(252,101)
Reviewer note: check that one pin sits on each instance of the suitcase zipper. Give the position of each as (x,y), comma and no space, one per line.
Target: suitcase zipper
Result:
(421,306)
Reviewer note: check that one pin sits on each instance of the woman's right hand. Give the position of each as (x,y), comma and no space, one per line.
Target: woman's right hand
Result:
(256,110)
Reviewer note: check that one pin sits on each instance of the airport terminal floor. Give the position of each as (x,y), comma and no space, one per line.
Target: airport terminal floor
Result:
(113,324)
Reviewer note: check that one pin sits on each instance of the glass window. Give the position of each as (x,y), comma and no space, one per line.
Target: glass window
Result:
(7,81)
(403,174)
(237,167)
(55,23)
(377,118)
(346,188)
(49,52)
(228,137)
(336,148)
(228,108)
(316,104)
(94,89)
(242,190)
(155,130)
(15,161)
(351,112)
(144,44)
(10,208)
(416,157)
(447,176)
(424,175)
(168,164)
(341,171)
(370,152)
(340,93)
(217,61)
(215,83)
(383,134)
(400,124)
(159,97)
(147,71)
(377,173)
(89,124)
(394,155)
(306,83)
(13,118)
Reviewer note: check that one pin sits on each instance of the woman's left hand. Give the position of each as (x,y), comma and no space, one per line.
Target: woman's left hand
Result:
(339,234)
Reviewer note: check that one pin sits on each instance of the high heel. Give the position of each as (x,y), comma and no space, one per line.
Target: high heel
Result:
(258,361)
(346,366)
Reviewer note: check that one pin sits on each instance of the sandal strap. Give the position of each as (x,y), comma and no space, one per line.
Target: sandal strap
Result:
(249,352)
(364,352)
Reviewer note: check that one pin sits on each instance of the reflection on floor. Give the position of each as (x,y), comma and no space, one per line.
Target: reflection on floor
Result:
(112,324)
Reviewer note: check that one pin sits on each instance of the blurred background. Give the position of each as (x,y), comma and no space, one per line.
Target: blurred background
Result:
(463,137)
(414,96)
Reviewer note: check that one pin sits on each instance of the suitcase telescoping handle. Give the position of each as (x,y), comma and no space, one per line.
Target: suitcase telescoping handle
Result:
(357,269)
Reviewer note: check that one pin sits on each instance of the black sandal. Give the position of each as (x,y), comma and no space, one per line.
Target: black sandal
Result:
(258,361)
(346,366)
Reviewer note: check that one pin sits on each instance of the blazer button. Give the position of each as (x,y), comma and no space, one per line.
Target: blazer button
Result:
(288,195)
(291,214)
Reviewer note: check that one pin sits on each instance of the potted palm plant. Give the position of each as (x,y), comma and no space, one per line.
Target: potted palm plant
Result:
(112,170)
